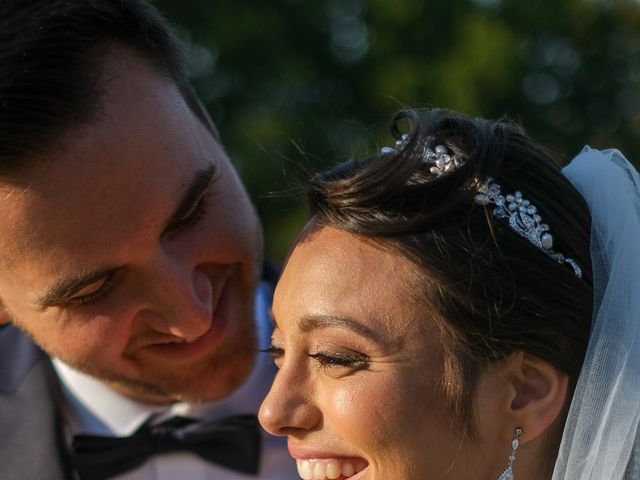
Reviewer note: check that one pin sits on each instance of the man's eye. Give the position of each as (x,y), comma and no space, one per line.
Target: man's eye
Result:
(192,217)
(92,293)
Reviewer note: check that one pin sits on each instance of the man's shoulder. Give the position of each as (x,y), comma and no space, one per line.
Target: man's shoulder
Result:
(32,445)
(18,355)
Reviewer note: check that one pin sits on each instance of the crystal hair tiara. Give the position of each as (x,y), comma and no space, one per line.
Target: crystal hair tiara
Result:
(523,219)
(437,159)
(521,215)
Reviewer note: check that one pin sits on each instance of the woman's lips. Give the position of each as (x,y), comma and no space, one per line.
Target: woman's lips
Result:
(319,464)
(330,468)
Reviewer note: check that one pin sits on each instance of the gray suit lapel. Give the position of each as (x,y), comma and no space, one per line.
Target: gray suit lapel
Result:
(32,445)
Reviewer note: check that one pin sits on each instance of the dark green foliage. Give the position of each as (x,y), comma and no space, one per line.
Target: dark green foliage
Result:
(295,85)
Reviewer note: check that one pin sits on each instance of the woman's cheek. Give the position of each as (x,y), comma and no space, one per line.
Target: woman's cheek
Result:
(356,407)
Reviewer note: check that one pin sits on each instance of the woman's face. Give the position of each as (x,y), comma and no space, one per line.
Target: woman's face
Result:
(358,392)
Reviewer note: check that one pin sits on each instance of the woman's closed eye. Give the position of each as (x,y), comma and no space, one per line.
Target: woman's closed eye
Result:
(324,359)
(351,360)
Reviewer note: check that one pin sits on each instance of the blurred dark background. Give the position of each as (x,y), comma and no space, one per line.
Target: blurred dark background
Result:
(296,85)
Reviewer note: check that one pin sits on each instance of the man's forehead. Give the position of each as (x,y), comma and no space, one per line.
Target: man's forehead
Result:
(15,200)
(109,184)
(49,234)
(24,243)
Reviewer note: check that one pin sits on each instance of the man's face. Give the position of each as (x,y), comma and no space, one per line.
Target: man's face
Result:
(131,250)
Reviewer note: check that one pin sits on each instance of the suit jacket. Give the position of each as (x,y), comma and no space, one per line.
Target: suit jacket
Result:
(31,435)
(32,445)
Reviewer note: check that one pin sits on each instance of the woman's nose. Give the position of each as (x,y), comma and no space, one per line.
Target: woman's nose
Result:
(289,407)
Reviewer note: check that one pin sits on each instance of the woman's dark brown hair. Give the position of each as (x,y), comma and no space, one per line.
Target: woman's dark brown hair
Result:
(492,291)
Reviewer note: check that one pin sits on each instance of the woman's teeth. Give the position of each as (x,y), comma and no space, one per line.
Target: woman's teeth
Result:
(321,469)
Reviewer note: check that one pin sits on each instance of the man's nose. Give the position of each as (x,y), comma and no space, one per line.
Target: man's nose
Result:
(179,299)
(290,406)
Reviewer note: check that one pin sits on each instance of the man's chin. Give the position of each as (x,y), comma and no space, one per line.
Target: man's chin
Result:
(209,380)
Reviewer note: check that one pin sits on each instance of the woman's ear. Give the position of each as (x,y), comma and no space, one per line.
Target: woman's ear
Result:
(538,393)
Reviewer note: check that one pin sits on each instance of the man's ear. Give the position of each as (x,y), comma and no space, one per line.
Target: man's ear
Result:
(538,393)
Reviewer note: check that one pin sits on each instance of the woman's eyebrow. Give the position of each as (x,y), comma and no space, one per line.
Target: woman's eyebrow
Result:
(309,323)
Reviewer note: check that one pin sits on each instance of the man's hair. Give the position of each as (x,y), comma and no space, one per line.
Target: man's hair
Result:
(491,291)
(51,60)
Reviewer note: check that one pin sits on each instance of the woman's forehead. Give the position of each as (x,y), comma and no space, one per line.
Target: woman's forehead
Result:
(332,272)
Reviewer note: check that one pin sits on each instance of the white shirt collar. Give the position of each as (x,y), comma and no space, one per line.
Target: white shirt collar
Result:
(94,408)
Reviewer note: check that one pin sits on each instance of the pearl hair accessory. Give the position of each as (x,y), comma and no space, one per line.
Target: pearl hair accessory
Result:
(438,159)
(523,218)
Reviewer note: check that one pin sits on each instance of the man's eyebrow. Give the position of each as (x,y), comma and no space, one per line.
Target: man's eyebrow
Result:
(201,181)
(66,288)
(315,322)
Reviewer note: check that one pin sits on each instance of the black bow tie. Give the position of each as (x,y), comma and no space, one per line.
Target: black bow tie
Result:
(232,442)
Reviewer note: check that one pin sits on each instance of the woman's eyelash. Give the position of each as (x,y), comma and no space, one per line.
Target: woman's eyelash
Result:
(273,351)
(327,360)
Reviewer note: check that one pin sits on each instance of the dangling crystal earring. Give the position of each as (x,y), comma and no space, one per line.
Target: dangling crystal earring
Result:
(507,474)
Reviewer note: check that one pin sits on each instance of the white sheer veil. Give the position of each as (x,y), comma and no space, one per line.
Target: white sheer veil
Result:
(600,439)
